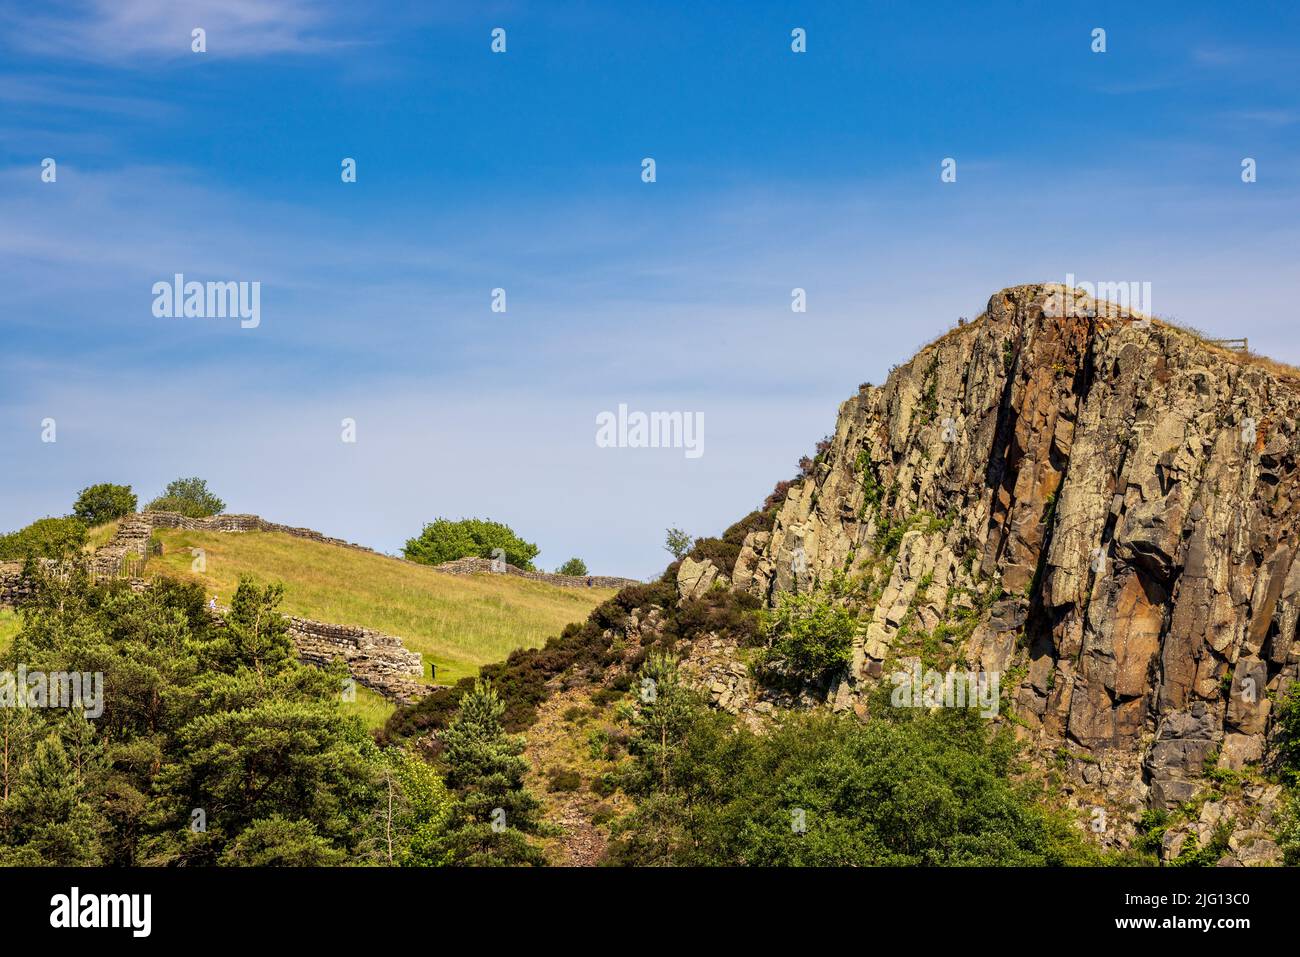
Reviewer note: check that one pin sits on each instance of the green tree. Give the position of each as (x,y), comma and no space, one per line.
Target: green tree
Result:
(214,744)
(276,841)
(444,541)
(103,503)
(257,634)
(188,496)
(821,789)
(48,819)
(809,636)
(664,713)
(677,543)
(485,770)
(57,538)
(574,566)
(413,814)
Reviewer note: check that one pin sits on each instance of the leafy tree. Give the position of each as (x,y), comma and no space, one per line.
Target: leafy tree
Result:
(188,496)
(809,635)
(574,566)
(445,541)
(827,790)
(103,503)
(414,813)
(485,770)
(677,543)
(57,538)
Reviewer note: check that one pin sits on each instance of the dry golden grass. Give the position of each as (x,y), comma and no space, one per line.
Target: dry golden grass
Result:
(1281,370)
(457,622)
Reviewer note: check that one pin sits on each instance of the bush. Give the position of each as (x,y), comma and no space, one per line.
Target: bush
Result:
(188,496)
(574,566)
(56,538)
(103,503)
(563,779)
(726,613)
(677,543)
(780,493)
(827,790)
(445,541)
(810,634)
(1288,733)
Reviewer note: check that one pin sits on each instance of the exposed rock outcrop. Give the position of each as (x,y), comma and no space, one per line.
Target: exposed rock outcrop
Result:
(1099,507)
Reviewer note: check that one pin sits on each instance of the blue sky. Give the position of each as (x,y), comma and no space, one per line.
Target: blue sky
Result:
(522,171)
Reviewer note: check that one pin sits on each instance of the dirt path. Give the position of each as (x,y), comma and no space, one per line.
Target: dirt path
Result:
(557,741)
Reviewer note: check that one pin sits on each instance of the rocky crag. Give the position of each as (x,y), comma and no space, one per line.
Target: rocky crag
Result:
(1097,507)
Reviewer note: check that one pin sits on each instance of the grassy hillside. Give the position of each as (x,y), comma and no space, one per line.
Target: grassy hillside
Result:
(457,622)
(9,623)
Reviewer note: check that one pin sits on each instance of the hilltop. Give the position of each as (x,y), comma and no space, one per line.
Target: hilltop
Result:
(457,622)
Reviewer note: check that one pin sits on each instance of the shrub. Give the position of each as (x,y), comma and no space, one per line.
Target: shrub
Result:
(677,543)
(724,551)
(827,790)
(810,635)
(443,540)
(103,503)
(725,613)
(563,779)
(1288,733)
(188,496)
(778,496)
(56,538)
(574,566)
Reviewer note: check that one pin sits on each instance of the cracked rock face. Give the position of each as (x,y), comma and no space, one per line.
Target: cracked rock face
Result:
(1115,499)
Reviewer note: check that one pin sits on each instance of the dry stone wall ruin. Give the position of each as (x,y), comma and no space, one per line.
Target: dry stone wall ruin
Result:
(485,566)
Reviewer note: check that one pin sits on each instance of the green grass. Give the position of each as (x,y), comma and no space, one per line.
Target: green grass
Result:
(101,534)
(371,707)
(10,622)
(457,622)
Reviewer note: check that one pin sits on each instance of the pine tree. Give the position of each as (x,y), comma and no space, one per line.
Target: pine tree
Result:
(485,769)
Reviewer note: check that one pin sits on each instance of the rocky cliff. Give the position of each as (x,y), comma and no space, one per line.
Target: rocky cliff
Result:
(1098,507)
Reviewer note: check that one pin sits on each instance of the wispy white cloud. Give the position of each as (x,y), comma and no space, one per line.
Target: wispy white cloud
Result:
(126,31)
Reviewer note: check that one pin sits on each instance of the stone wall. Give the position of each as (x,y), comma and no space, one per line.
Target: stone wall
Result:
(13,588)
(130,541)
(481,566)
(378,661)
(240,523)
